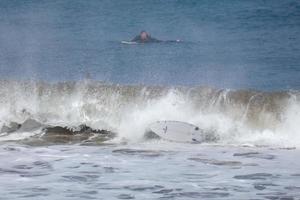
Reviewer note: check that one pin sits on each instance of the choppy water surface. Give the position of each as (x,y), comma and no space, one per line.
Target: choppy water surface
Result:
(153,170)
(85,140)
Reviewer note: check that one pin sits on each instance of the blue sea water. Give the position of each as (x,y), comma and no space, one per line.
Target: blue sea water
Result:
(225,44)
(76,103)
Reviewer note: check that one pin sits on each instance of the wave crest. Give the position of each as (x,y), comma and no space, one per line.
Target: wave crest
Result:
(237,117)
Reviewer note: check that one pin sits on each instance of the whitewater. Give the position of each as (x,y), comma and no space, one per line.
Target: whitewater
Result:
(97,147)
(235,117)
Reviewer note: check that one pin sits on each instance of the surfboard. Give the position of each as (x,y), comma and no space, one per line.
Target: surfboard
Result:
(177,131)
(166,41)
(128,42)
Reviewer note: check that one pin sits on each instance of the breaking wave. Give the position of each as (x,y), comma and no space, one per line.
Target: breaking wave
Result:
(238,117)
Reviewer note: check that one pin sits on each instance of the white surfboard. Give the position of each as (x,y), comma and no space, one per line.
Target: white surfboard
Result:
(128,42)
(177,131)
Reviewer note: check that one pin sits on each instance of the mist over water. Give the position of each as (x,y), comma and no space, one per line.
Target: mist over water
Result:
(243,44)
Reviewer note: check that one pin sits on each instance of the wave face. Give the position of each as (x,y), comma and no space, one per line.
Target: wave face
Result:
(241,117)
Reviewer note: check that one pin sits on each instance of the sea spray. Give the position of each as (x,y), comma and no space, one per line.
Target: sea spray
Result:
(235,116)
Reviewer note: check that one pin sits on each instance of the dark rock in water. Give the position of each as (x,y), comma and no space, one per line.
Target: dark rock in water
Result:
(12,127)
(30,125)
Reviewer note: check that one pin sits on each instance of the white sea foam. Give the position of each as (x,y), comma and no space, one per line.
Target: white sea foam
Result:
(236,117)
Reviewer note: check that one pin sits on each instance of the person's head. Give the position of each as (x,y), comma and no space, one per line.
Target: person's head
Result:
(144,35)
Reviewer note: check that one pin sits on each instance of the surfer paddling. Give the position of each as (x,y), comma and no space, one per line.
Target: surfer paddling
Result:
(145,37)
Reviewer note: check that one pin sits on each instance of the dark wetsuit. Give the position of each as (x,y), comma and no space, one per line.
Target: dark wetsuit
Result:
(149,39)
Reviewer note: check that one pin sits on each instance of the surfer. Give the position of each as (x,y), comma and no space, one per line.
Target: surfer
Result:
(145,37)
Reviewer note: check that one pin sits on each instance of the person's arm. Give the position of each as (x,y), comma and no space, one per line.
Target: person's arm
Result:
(151,39)
(136,39)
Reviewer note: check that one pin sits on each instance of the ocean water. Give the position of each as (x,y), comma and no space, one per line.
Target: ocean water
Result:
(76,103)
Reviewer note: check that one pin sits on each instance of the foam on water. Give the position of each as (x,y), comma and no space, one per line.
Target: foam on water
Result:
(236,117)
(148,170)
